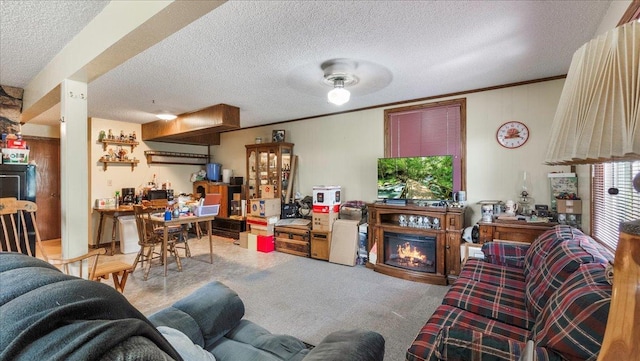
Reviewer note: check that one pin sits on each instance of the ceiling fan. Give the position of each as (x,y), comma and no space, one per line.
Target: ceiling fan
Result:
(359,76)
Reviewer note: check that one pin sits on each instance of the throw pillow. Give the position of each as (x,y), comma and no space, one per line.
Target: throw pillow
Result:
(185,347)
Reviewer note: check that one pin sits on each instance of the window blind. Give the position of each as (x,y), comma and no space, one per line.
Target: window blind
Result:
(610,210)
(428,131)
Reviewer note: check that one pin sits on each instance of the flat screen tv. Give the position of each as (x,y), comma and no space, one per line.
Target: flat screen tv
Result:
(415,178)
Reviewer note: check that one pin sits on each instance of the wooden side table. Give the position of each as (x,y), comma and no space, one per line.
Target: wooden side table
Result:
(520,231)
(113,213)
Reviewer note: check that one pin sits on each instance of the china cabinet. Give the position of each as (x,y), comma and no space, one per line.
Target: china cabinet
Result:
(268,164)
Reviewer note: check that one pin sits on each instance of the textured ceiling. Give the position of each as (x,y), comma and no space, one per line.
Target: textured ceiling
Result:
(265,56)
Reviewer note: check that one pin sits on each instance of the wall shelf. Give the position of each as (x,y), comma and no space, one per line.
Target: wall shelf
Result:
(159,157)
(106,142)
(105,163)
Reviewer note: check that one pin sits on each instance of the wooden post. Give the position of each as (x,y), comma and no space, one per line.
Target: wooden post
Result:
(623,325)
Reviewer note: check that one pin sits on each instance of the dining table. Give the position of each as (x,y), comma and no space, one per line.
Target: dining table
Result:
(183,219)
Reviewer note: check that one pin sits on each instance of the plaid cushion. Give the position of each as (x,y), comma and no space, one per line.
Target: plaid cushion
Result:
(575,317)
(455,343)
(547,241)
(559,264)
(423,346)
(506,254)
(498,303)
(502,276)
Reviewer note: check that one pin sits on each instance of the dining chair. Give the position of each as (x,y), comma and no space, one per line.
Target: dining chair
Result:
(78,264)
(150,236)
(20,233)
(182,242)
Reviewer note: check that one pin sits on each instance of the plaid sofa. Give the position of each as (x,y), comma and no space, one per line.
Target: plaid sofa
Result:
(554,292)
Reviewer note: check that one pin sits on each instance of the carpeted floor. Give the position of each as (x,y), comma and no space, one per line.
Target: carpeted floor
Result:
(293,295)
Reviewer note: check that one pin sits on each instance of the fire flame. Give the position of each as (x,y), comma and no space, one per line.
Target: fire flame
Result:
(405,251)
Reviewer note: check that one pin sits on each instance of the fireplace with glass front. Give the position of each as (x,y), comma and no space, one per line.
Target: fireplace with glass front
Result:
(418,243)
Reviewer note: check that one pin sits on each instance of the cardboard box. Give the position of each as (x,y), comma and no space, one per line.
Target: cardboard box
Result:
(105,203)
(244,240)
(265,207)
(262,230)
(470,250)
(267,191)
(16,143)
(266,244)
(15,156)
(320,245)
(344,242)
(207,210)
(354,214)
(262,221)
(326,209)
(252,242)
(569,206)
(326,195)
(323,221)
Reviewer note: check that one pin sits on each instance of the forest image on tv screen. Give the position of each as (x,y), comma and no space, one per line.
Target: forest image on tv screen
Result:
(429,178)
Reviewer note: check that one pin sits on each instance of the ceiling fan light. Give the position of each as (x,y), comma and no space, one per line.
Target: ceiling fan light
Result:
(338,96)
(166,116)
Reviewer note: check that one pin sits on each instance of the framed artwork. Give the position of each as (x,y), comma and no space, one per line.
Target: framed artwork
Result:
(277,135)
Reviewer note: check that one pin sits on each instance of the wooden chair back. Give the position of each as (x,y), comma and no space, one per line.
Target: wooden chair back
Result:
(144,225)
(159,203)
(78,264)
(18,222)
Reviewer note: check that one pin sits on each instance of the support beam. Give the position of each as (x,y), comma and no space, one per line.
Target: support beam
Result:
(121,31)
(74,174)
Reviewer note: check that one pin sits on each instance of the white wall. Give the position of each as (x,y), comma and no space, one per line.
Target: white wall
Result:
(104,183)
(343,149)
(37,130)
(121,176)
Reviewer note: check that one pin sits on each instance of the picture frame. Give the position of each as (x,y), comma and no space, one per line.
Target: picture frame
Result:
(278,136)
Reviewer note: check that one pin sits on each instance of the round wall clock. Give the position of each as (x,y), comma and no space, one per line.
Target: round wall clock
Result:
(512,134)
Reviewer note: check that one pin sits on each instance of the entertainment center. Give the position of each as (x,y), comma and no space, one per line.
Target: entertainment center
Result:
(414,242)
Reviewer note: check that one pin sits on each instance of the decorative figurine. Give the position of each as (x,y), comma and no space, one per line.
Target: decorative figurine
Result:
(110,135)
(122,153)
(101,136)
(122,138)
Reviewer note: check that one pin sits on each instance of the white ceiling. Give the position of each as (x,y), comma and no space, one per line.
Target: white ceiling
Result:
(264,56)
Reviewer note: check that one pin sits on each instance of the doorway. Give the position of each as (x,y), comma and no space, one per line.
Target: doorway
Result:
(46,154)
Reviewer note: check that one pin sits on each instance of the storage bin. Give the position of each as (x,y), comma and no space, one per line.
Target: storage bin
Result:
(128,234)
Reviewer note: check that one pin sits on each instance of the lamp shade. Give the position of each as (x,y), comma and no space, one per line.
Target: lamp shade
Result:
(338,96)
(598,116)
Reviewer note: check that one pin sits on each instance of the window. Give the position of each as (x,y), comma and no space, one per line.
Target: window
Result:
(429,129)
(610,210)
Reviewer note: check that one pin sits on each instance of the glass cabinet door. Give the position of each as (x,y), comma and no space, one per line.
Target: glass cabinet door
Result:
(283,180)
(252,174)
(268,164)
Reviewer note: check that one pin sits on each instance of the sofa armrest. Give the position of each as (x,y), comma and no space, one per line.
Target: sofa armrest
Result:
(350,345)
(459,343)
(205,315)
(505,254)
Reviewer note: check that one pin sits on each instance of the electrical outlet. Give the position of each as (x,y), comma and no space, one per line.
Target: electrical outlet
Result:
(109,183)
